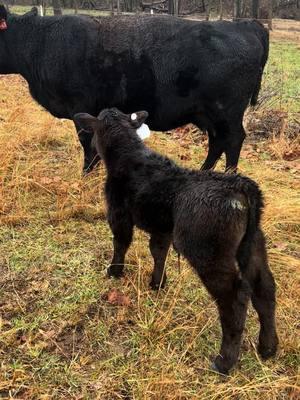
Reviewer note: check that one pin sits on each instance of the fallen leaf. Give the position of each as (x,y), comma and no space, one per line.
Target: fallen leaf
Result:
(280,246)
(117,298)
(45,181)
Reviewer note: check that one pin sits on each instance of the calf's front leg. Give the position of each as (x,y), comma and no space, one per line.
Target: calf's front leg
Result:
(122,229)
(159,246)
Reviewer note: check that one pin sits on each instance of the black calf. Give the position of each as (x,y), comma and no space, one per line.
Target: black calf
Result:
(212,219)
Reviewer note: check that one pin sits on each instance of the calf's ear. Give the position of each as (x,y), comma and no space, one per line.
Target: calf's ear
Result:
(138,118)
(86,122)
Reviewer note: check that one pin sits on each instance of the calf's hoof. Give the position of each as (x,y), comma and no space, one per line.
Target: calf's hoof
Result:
(115,271)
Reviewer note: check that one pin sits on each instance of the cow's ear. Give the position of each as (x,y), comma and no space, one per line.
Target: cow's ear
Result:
(32,13)
(138,118)
(86,122)
(3,12)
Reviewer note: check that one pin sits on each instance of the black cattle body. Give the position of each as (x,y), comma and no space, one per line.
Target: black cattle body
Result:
(180,71)
(212,219)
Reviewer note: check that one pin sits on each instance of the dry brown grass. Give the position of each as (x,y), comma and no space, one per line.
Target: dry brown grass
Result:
(60,339)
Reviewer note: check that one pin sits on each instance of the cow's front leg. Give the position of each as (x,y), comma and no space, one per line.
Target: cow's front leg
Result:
(159,246)
(122,229)
(91,157)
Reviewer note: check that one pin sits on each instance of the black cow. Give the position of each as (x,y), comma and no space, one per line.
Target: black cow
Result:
(180,71)
(212,219)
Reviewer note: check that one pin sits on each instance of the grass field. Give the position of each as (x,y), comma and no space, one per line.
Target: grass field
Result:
(59,336)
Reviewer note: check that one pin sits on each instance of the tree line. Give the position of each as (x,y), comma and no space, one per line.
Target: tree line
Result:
(259,9)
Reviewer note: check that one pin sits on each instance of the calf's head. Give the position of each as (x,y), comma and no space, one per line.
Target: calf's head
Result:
(110,128)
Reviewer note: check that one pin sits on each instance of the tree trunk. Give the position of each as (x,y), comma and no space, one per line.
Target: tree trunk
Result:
(112,7)
(170,7)
(56,7)
(175,3)
(237,9)
(221,9)
(255,9)
(208,10)
(76,6)
(203,6)
(270,14)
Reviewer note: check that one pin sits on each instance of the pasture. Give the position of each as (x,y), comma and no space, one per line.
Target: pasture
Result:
(60,335)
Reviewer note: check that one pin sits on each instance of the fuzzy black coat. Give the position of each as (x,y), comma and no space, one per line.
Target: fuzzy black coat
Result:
(212,219)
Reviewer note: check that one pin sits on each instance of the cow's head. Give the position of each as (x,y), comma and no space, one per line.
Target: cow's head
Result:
(110,126)
(11,38)
(3,18)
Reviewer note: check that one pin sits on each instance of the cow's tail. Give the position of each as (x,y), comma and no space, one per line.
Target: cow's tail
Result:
(264,37)
(255,202)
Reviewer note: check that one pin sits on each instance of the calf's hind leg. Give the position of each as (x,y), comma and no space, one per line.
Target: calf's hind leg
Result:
(159,246)
(122,228)
(232,295)
(263,297)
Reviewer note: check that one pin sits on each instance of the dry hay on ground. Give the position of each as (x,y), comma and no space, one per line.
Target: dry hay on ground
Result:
(60,337)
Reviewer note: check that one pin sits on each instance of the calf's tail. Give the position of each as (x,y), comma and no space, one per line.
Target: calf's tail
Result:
(255,201)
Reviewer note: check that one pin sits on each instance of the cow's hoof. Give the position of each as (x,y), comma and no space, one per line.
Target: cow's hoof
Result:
(267,351)
(154,285)
(220,366)
(115,271)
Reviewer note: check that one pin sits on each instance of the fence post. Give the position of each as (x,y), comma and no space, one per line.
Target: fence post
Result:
(270,14)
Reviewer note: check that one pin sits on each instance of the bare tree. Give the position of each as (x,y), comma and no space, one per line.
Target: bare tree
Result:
(75,6)
(221,9)
(208,10)
(176,7)
(255,9)
(237,8)
(270,14)
(56,7)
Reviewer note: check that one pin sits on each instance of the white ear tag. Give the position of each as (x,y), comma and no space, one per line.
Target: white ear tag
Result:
(143,131)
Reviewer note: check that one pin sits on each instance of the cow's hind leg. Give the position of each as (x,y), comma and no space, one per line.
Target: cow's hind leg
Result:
(159,246)
(232,294)
(122,228)
(215,150)
(233,145)
(263,298)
